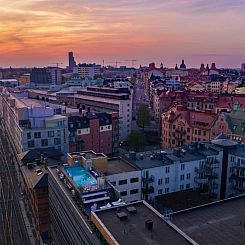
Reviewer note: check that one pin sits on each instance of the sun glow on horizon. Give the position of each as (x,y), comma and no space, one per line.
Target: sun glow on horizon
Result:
(33,32)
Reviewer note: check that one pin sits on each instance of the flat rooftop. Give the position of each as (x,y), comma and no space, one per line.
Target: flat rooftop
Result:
(181,200)
(91,155)
(150,159)
(133,230)
(219,223)
(118,165)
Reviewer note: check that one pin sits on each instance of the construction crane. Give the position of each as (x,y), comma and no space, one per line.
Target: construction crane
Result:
(114,62)
(57,64)
(132,60)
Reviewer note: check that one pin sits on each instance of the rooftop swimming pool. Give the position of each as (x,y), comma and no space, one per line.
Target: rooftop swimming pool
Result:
(80,176)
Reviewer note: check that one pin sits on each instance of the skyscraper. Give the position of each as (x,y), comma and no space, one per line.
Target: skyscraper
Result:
(243,67)
(72,62)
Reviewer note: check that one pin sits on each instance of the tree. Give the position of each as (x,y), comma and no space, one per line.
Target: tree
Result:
(136,139)
(133,79)
(143,117)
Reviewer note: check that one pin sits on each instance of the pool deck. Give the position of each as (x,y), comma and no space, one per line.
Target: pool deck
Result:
(85,175)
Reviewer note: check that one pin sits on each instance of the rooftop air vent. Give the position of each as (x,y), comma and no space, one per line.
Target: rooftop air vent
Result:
(122,215)
(149,224)
(131,210)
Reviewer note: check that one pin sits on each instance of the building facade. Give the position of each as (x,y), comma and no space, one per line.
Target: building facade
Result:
(87,70)
(55,74)
(40,77)
(181,126)
(32,125)
(97,132)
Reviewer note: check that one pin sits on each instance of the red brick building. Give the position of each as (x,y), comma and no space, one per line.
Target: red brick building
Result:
(181,126)
(94,131)
(198,101)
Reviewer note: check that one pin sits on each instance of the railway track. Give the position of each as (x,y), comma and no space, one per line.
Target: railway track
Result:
(12,225)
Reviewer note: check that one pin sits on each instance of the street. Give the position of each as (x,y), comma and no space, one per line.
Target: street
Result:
(12,225)
(140,96)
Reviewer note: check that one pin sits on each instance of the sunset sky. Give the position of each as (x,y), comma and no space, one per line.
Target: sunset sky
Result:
(39,32)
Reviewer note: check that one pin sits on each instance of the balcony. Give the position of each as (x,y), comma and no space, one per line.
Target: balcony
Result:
(200,180)
(238,178)
(238,167)
(239,188)
(212,175)
(148,190)
(179,131)
(148,179)
(215,165)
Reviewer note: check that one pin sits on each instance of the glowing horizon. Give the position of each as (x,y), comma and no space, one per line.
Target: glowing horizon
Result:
(40,32)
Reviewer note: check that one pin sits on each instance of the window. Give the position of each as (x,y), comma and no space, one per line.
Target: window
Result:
(182,167)
(58,133)
(37,135)
(188,176)
(50,133)
(187,186)
(57,141)
(124,193)
(160,192)
(167,170)
(44,142)
(181,187)
(123,182)
(28,135)
(166,190)
(31,143)
(134,180)
(167,180)
(134,191)
(159,181)
(182,177)
(113,183)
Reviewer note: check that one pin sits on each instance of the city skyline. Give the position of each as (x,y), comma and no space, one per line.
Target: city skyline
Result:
(37,33)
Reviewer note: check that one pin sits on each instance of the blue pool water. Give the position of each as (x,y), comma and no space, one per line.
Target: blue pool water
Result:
(80,176)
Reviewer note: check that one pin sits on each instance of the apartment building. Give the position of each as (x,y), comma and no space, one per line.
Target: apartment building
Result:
(181,126)
(87,70)
(126,178)
(40,77)
(108,99)
(55,74)
(94,131)
(169,171)
(33,171)
(231,123)
(214,168)
(32,125)
(25,79)
(95,99)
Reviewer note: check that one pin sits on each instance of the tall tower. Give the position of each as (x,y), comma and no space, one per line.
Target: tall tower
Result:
(72,62)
